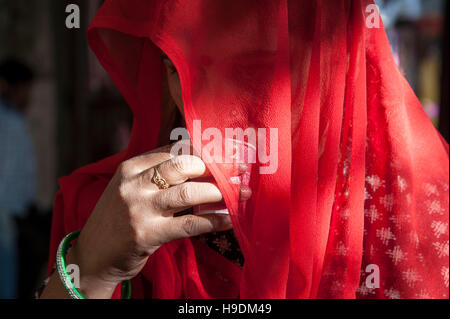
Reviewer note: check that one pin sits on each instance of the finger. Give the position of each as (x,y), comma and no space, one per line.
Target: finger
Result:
(183,196)
(191,225)
(245,195)
(177,170)
(155,157)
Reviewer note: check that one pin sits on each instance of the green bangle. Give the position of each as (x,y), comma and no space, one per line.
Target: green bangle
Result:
(64,275)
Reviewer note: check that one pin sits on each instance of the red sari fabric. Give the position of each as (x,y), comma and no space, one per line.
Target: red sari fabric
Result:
(362,174)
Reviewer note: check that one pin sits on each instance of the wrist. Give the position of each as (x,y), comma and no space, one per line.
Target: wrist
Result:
(91,284)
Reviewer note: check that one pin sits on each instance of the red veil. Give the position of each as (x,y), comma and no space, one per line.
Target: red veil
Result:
(361,186)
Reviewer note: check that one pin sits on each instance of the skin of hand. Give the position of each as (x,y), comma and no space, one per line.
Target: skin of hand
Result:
(133,218)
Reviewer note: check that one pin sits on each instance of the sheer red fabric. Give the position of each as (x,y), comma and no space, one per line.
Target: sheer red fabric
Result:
(359,186)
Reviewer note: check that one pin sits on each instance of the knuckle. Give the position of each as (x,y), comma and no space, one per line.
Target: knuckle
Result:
(123,190)
(185,194)
(189,225)
(123,168)
(135,236)
(138,225)
(180,164)
(138,236)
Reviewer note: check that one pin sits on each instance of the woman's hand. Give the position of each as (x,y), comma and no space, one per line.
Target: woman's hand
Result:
(133,218)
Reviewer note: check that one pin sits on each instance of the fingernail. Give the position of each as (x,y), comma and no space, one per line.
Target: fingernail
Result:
(245,194)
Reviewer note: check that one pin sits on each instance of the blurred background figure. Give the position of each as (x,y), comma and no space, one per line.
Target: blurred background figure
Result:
(17,166)
(415,30)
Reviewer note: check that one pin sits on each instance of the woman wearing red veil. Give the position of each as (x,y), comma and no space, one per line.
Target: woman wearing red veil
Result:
(356,207)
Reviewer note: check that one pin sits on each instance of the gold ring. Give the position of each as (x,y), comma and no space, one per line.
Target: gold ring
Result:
(159,181)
